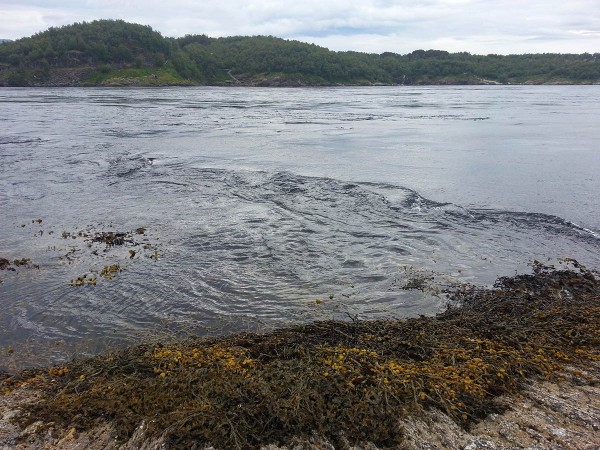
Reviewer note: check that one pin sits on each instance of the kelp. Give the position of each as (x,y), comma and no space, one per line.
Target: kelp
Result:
(345,381)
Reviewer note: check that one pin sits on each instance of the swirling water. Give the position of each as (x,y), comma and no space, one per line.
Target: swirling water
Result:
(258,202)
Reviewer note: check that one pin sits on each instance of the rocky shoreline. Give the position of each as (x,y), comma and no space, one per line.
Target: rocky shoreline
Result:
(80,77)
(545,416)
(515,366)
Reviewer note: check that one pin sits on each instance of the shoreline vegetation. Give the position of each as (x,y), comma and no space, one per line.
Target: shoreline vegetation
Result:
(117,53)
(512,366)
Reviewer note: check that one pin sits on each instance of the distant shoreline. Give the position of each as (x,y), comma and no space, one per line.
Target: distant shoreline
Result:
(275,83)
(81,77)
(115,52)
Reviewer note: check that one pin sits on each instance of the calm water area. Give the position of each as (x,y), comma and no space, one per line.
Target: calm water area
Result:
(262,207)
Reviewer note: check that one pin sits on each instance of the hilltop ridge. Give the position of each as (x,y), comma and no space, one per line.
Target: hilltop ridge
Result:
(115,52)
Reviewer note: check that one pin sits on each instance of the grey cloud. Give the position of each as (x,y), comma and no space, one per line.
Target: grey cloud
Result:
(502,26)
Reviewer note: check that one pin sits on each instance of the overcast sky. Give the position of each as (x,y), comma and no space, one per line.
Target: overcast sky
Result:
(375,26)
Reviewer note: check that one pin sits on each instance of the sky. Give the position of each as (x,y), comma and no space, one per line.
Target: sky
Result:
(373,26)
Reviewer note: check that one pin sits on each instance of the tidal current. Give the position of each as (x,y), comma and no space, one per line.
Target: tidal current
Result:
(261,207)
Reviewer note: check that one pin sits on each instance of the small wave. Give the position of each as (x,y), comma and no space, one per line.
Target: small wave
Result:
(306,122)
(415,201)
(537,221)
(119,133)
(128,165)
(175,183)
(587,230)
(6,140)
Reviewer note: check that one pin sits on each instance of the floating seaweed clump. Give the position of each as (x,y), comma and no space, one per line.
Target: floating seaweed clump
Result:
(109,271)
(22,262)
(90,245)
(83,280)
(6,264)
(110,238)
(345,381)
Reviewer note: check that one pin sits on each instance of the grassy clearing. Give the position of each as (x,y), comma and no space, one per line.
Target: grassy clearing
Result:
(165,76)
(342,380)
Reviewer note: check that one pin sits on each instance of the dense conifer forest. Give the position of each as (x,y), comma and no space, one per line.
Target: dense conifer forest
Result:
(114,52)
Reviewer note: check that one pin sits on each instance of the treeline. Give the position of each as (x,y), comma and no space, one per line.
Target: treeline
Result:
(98,42)
(107,46)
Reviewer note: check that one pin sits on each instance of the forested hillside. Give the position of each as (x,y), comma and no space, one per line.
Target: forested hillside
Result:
(113,52)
